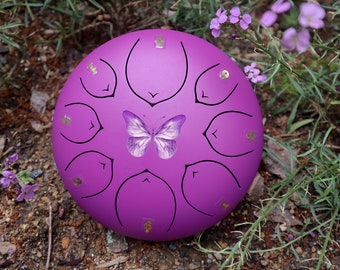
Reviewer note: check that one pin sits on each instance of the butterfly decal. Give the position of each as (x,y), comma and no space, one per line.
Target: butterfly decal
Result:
(140,136)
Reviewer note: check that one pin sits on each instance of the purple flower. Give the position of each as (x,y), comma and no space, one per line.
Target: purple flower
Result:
(13,158)
(254,73)
(27,192)
(250,68)
(8,178)
(255,76)
(235,17)
(269,17)
(292,39)
(221,15)
(215,23)
(215,28)
(311,15)
(291,237)
(280,6)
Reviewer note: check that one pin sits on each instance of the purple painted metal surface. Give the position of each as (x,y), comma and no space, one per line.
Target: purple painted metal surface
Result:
(157,134)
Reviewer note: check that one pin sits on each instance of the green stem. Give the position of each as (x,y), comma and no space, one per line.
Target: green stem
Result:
(259,45)
(328,237)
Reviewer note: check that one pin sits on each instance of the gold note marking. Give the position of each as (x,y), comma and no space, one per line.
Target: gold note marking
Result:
(251,136)
(224,205)
(224,74)
(148,226)
(92,68)
(159,42)
(66,120)
(77,181)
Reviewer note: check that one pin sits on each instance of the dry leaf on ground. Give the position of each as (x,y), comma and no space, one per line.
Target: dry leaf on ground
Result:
(279,215)
(256,189)
(283,162)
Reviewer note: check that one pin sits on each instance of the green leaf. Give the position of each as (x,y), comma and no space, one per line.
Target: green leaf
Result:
(96,4)
(10,25)
(300,124)
(25,177)
(293,113)
(9,41)
(296,86)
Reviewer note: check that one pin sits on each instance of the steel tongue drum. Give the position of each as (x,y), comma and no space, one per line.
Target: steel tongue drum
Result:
(157,134)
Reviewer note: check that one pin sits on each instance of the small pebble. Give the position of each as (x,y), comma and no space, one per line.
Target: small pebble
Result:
(182,253)
(36,173)
(218,256)
(264,262)
(299,250)
(65,242)
(193,266)
(180,267)
(172,247)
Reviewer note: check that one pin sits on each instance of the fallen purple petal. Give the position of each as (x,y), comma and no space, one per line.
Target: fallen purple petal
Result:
(268,18)
(13,158)
(280,6)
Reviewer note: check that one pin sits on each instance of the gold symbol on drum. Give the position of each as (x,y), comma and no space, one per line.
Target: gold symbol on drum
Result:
(66,120)
(92,68)
(251,136)
(148,226)
(159,42)
(224,205)
(77,181)
(224,74)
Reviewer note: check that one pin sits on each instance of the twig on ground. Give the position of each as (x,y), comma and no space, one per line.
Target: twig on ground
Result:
(116,261)
(49,222)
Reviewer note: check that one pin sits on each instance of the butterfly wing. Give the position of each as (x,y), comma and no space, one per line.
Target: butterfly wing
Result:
(137,145)
(166,135)
(165,148)
(140,137)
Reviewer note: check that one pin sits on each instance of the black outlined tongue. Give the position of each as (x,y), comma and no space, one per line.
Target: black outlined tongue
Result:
(161,74)
(99,79)
(152,196)
(85,167)
(80,123)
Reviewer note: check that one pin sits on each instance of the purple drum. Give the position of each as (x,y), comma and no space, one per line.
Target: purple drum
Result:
(157,134)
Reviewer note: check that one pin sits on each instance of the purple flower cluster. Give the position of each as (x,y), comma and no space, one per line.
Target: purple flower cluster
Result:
(270,16)
(235,17)
(8,176)
(22,180)
(253,73)
(311,15)
(27,192)
(215,23)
